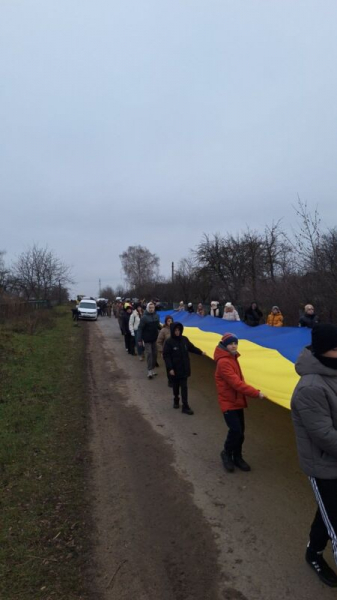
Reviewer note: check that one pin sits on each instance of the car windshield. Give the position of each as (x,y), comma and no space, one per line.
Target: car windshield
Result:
(87,305)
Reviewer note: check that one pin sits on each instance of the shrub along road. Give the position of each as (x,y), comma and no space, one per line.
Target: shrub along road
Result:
(171,524)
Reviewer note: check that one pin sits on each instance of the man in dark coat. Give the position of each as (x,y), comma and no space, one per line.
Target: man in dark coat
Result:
(177,360)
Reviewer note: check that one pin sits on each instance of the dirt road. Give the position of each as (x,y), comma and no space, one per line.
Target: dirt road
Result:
(170,523)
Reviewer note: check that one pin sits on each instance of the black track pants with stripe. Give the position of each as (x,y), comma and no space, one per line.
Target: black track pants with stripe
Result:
(324,526)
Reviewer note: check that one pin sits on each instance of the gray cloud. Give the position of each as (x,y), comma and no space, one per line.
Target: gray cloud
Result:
(147,122)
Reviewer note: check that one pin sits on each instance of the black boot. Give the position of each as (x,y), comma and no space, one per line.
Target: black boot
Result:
(176,402)
(321,568)
(240,463)
(227,461)
(186,409)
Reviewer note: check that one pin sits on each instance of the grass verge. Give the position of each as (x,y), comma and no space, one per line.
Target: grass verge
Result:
(44,538)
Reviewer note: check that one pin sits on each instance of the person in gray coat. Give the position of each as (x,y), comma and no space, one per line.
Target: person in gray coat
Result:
(314,414)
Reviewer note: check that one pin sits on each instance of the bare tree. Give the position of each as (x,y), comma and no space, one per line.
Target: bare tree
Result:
(4,272)
(185,278)
(108,292)
(307,238)
(229,259)
(38,273)
(140,267)
(278,257)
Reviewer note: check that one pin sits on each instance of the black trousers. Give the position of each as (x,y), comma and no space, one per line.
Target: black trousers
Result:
(128,341)
(182,385)
(75,314)
(235,421)
(324,525)
(132,344)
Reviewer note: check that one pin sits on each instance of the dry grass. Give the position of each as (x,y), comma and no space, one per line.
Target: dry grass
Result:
(44,543)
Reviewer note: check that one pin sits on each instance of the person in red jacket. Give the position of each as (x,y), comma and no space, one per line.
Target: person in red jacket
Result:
(232,391)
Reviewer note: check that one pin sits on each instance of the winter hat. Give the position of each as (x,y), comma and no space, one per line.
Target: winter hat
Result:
(228,338)
(190,304)
(324,338)
(275,308)
(229,305)
(214,304)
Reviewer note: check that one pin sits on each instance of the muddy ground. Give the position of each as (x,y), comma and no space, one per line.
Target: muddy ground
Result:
(170,524)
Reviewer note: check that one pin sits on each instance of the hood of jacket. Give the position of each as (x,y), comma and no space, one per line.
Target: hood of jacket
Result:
(308,364)
(221,352)
(174,326)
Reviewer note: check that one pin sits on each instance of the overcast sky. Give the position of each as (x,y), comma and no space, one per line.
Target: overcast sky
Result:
(126,122)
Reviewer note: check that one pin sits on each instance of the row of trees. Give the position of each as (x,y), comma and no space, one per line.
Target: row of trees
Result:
(37,274)
(273,267)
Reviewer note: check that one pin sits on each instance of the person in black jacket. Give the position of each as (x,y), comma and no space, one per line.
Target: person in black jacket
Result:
(178,365)
(125,328)
(148,329)
(309,319)
(253,315)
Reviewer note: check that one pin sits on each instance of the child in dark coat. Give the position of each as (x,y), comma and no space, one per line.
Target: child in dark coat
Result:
(177,360)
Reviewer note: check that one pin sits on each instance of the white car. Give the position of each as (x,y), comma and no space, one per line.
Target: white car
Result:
(87,309)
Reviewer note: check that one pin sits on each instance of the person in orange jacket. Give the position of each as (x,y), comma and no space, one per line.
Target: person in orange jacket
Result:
(275,318)
(232,391)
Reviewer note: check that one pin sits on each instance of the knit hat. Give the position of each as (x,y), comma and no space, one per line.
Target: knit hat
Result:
(229,305)
(229,338)
(324,338)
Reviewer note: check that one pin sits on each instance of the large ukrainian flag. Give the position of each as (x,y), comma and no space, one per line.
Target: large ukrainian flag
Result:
(267,353)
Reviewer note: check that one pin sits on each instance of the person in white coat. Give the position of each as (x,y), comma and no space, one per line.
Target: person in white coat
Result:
(230,314)
(133,326)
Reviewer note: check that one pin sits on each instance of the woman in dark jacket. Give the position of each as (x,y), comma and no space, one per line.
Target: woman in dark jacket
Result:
(178,364)
(125,329)
(308,319)
(253,315)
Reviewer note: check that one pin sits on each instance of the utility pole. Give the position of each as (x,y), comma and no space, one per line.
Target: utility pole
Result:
(173,272)
(99,287)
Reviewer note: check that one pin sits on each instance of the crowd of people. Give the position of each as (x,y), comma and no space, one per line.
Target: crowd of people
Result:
(253,316)
(313,404)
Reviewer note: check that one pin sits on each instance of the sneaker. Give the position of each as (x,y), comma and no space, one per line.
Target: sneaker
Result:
(149,375)
(227,462)
(176,403)
(154,374)
(241,464)
(187,410)
(321,568)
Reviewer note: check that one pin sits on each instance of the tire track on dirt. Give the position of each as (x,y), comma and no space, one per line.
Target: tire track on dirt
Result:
(152,542)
